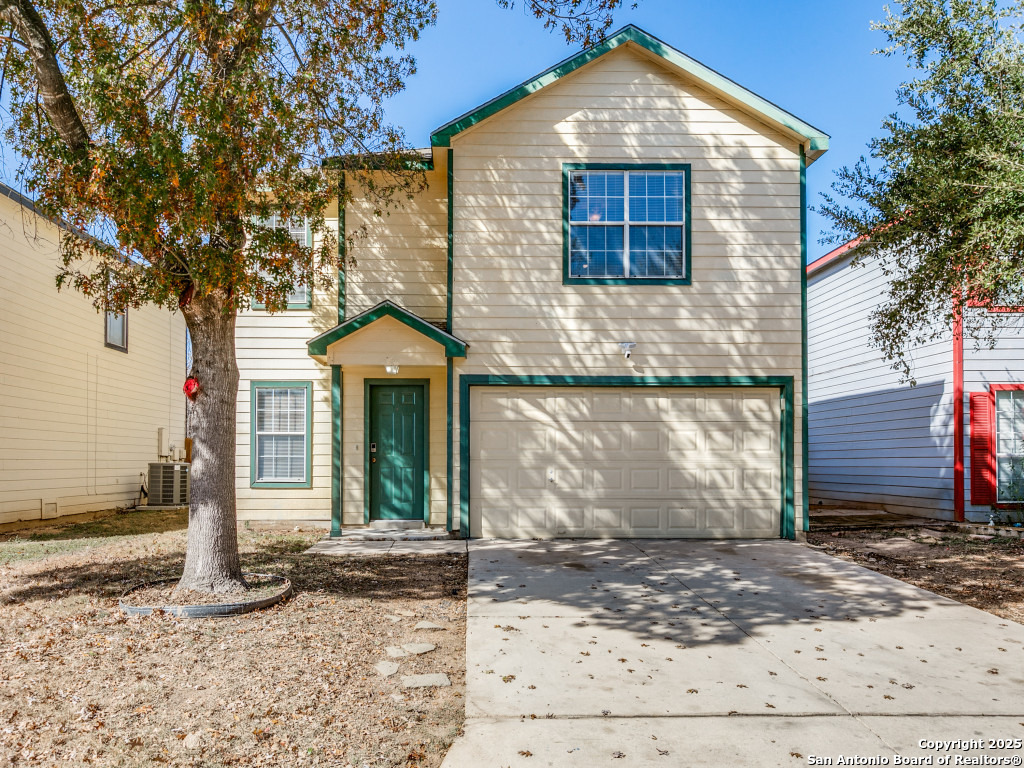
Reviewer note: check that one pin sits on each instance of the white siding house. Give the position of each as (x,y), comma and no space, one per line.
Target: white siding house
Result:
(880,442)
(473,373)
(84,394)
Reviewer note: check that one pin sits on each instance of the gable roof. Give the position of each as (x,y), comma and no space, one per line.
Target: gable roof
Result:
(815,142)
(453,347)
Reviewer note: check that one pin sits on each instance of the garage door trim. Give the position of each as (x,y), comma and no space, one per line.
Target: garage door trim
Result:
(783,383)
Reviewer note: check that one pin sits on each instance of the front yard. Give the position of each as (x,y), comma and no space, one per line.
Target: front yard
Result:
(986,573)
(291,685)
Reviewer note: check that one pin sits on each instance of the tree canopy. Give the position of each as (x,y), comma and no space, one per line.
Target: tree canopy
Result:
(179,132)
(941,203)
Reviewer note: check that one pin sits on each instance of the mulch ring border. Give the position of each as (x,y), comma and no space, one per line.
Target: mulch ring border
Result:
(209,611)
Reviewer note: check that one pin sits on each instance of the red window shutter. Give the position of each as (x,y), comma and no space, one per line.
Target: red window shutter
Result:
(983,449)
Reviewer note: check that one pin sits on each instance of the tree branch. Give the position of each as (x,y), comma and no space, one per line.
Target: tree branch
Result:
(53,88)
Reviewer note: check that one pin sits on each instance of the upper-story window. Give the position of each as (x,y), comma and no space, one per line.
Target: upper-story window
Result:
(298,229)
(116,330)
(626,224)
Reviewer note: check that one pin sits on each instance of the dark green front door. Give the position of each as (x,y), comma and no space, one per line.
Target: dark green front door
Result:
(396,451)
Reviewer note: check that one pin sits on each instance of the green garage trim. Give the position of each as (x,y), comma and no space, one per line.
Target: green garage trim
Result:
(453,347)
(783,383)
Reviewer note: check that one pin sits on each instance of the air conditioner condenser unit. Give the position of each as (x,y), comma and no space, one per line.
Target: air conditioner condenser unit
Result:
(168,484)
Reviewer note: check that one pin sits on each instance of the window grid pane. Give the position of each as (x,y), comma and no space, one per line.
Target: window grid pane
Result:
(636,249)
(281,434)
(1010,445)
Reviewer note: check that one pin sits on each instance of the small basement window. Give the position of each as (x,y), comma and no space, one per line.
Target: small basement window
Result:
(626,225)
(116,330)
(1010,445)
(281,434)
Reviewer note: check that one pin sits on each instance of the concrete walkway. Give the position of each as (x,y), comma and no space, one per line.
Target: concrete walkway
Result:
(673,653)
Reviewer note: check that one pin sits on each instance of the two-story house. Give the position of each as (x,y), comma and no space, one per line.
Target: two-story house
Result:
(589,324)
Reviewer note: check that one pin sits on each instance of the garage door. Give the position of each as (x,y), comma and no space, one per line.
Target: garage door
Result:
(624,462)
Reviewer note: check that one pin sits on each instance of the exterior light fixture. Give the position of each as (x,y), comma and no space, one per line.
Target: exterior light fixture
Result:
(627,348)
(391,368)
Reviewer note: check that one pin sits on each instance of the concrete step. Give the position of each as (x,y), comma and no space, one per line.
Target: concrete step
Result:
(393,534)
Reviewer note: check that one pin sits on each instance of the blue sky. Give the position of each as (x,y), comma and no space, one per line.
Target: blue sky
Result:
(811,58)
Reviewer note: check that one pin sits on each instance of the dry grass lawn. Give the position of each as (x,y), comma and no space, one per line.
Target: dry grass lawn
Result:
(80,684)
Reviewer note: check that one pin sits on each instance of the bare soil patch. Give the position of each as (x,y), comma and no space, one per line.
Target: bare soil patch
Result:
(81,684)
(984,573)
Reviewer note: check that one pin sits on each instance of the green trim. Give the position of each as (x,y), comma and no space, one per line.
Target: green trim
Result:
(453,347)
(336,450)
(450,414)
(396,382)
(817,139)
(253,386)
(342,250)
(783,383)
(451,235)
(805,500)
(567,279)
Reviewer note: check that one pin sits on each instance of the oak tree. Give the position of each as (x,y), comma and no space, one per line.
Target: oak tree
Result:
(941,204)
(174,130)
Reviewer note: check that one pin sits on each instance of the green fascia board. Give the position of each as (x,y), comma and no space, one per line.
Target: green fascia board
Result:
(817,139)
(568,279)
(253,386)
(787,527)
(453,347)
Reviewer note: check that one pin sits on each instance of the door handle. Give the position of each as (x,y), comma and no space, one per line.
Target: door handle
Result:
(373,460)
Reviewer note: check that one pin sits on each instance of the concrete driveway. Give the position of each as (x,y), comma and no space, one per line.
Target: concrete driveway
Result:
(673,653)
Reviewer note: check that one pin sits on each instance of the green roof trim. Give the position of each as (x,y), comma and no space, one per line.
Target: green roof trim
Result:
(453,347)
(817,140)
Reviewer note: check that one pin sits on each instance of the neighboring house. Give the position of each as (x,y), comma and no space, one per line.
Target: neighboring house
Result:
(950,447)
(472,372)
(84,394)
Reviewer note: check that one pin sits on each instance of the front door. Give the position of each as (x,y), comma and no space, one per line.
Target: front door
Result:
(396,451)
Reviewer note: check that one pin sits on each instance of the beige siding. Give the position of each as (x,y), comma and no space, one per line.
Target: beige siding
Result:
(78,419)
(741,315)
(273,348)
(354,438)
(402,255)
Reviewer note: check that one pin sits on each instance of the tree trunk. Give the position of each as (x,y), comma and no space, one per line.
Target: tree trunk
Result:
(211,559)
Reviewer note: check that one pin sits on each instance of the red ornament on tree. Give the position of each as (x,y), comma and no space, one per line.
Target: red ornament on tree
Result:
(191,388)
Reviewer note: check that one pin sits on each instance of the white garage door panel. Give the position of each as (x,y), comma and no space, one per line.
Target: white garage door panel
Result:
(598,462)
